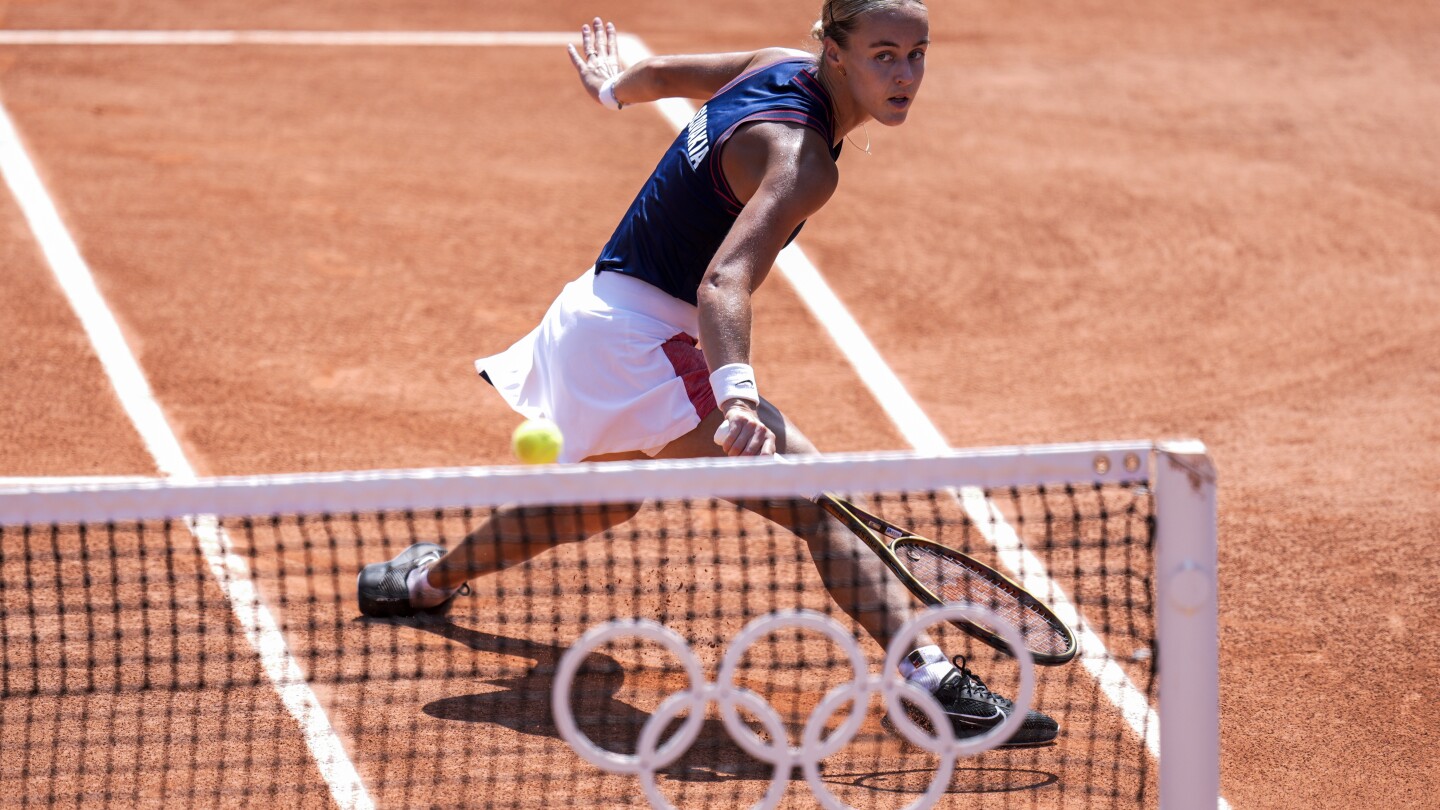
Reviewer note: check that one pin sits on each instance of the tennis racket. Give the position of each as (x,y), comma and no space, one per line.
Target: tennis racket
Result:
(940,575)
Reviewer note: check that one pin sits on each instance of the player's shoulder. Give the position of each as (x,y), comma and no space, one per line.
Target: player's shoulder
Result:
(796,156)
(769,57)
(791,139)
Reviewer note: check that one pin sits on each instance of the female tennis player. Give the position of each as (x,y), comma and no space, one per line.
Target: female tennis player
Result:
(615,361)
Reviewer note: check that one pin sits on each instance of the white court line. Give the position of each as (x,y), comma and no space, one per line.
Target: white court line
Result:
(923,435)
(323,38)
(230,571)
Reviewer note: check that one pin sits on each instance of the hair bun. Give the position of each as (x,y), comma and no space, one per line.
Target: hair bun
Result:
(817,31)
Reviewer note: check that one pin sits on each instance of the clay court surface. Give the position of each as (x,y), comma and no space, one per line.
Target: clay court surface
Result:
(1103,221)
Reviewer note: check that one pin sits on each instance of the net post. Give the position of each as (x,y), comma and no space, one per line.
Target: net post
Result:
(1187,617)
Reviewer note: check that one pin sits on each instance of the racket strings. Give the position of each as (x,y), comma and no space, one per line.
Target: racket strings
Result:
(952,581)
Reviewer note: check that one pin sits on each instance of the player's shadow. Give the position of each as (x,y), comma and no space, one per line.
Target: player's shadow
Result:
(521,703)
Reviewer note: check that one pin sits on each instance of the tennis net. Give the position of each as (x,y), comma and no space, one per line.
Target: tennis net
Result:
(200,643)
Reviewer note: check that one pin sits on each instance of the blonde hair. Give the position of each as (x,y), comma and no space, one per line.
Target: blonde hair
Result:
(838,18)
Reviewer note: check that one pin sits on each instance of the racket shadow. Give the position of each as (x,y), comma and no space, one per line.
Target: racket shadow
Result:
(965,780)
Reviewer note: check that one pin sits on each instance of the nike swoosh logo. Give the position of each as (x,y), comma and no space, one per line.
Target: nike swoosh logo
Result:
(997,718)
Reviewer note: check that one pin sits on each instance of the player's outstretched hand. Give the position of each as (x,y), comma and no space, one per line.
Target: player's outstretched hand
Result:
(743,434)
(601,58)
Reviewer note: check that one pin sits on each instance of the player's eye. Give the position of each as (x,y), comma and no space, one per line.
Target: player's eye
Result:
(917,55)
(885,57)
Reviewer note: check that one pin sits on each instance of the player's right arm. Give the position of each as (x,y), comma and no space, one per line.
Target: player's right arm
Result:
(696,76)
(785,173)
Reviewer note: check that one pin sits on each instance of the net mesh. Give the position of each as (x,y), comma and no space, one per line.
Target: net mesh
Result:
(222,661)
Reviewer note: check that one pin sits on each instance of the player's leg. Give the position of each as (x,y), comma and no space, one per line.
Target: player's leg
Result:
(513,535)
(426,576)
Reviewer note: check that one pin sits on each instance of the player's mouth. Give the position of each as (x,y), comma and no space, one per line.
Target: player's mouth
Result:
(899,102)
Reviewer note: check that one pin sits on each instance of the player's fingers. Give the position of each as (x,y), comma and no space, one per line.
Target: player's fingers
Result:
(769,448)
(614,40)
(747,439)
(738,437)
(755,442)
(575,57)
(587,37)
(602,42)
(756,446)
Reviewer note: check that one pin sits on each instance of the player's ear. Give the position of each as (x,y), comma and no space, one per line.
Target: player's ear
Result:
(832,55)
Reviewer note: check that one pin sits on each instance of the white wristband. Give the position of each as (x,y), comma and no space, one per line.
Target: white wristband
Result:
(734,381)
(607,93)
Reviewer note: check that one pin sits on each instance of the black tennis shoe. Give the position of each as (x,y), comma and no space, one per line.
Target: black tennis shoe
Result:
(973,710)
(384,587)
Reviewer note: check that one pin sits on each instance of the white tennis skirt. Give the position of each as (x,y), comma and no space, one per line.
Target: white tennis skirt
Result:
(614,364)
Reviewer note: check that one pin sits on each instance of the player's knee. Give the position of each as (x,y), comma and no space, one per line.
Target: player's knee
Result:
(795,444)
(788,440)
(597,518)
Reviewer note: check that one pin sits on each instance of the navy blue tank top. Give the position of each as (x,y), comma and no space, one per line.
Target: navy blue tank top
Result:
(686,208)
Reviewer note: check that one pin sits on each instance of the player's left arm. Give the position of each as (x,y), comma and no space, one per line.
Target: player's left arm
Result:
(696,76)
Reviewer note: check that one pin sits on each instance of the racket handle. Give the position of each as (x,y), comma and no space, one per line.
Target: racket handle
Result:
(722,433)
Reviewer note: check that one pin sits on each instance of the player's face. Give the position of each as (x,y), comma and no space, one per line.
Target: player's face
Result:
(885,61)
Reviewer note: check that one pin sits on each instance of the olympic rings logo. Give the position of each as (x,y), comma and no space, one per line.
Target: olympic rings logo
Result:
(652,756)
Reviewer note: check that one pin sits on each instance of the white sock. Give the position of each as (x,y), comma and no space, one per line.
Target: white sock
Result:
(926,667)
(422,593)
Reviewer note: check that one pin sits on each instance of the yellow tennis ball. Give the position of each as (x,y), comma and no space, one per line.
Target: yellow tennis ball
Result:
(537,441)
